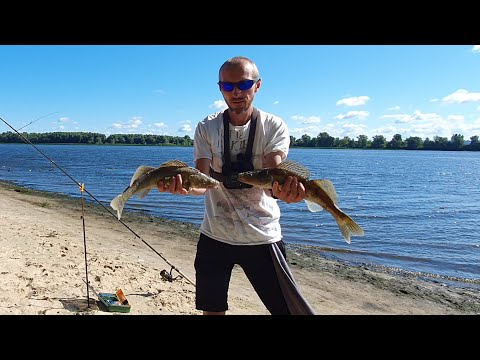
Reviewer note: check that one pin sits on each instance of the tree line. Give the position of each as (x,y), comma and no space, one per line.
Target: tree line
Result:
(91,138)
(323,140)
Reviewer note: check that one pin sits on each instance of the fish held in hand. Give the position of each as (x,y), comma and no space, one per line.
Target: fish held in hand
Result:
(320,194)
(147,177)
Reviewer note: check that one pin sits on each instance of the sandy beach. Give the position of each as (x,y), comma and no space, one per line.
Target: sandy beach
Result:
(44,267)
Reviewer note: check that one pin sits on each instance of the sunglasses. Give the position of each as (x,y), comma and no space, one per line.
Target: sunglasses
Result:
(241,85)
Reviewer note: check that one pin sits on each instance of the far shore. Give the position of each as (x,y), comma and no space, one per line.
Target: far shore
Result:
(44,267)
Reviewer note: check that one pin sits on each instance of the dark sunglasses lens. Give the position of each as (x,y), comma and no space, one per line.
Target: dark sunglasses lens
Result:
(227,87)
(246,84)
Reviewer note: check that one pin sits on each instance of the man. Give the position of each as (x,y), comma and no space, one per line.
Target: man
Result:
(241,223)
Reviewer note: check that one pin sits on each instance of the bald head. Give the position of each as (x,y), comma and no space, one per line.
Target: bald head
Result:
(239,63)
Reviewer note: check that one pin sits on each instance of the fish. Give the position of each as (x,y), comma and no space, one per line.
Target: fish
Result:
(320,193)
(145,179)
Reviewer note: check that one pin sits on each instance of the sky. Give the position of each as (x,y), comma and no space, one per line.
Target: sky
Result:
(343,90)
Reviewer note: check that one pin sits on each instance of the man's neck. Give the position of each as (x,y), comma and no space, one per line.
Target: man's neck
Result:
(240,119)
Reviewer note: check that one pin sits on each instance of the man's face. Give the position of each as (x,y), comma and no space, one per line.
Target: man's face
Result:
(239,101)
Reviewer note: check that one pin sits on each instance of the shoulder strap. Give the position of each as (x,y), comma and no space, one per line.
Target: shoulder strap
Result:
(251,136)
(226,138)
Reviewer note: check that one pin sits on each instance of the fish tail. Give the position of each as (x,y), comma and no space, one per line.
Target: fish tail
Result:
(348,227)
(117,204)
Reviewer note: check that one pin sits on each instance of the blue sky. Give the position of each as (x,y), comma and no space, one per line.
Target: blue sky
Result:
(344,90)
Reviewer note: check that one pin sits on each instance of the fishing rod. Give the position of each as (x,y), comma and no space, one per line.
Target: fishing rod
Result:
(81,186)
(31,122)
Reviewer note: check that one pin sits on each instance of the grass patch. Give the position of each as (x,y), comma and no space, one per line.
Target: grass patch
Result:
(43,204)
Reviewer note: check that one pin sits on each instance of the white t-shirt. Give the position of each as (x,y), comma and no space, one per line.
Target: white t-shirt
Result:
(241,216)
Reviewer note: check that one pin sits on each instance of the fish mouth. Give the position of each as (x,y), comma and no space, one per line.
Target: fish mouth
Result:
(244,175)
(246,178)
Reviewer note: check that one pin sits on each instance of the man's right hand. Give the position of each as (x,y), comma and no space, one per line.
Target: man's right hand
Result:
(174,186)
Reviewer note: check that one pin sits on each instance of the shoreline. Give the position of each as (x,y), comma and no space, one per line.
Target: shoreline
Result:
(42,234)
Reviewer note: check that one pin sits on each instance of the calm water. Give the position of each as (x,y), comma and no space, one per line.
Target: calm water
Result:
(419,209)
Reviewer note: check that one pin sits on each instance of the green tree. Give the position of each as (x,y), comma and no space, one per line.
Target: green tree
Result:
(324,140)
(414,143)
(345,142)
(379,142)
(428,144)
(474,143)
(396,142)
(457,142)
(362,141)
(304,140)
(441,143)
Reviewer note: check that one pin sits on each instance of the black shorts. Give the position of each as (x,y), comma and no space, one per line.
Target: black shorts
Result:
(214,263)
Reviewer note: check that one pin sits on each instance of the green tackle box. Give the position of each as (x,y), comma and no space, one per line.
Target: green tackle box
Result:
(112,303)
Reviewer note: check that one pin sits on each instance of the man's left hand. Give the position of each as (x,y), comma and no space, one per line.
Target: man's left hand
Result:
(292,190)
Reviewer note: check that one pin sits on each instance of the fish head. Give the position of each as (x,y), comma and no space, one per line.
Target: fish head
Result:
(203,181)
(259,178)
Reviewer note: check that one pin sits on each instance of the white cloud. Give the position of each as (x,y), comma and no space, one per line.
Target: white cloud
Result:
(133,124)
(428,125)
(416,116)
(399,118)
(386,131)
(394,108)
(218,105)
(185,128)
(352,130)
(476,48)
(354,101)
(64,119)
(353,114)
(456,118)
(160,125)
(306,120)
(311,131)
(276,102)
(158,128)
(461,96)
(334,129)
(416,123)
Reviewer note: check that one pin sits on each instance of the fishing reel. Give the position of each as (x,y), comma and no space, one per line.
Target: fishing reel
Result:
(167,276)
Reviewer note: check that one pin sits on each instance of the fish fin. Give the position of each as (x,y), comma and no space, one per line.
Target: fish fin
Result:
(141,170)
(117,204)
(313,207)
(328,187)
(175,164)
(349,227)
(142,194)
(295,169)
